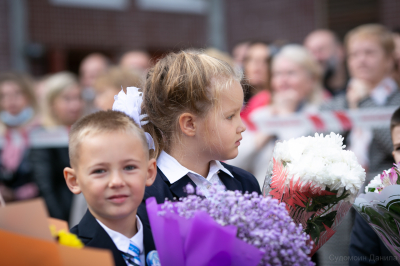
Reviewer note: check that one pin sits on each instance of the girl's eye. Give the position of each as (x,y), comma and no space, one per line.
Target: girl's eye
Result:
(129,168)
(230,117)
(99,171)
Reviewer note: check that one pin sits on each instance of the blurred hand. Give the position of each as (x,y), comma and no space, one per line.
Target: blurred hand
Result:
(285,102)
(27,191)
(7,193)
(357,90)
(261,140)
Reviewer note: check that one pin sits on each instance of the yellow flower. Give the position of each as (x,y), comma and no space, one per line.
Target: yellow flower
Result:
(66,238)
(53,231)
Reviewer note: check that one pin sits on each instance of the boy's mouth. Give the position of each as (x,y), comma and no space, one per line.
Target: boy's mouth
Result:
(119,198)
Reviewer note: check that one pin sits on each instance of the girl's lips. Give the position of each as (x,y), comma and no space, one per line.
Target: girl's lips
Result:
(238,142)
(118,198)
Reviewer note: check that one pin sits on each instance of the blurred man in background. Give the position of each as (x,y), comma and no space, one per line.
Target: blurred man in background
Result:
(396,39)
(328,50)
(137,60)
(92,66)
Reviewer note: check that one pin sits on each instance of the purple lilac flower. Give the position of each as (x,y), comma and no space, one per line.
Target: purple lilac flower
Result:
(261,222)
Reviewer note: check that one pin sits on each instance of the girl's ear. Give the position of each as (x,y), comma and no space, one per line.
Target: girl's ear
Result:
(151,172)
(71,180)
(187,123)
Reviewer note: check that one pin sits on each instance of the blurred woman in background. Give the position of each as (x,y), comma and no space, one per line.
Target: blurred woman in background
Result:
(18,118)
(295,87)
(257,74)
(256,69)
(62,107)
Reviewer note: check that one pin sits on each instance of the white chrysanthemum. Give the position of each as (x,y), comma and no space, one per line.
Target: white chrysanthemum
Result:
(323,161)
(375,182)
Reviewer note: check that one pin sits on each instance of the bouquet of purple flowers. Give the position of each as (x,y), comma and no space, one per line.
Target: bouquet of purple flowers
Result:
(227,228)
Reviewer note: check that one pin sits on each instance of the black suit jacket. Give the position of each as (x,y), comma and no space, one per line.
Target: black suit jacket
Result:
(366,248)
(47,170)
(162,188)
(92,234)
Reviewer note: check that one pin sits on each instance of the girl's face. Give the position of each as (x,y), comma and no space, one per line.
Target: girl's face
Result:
(12,99)
(290,77)
(221,130)
(68,106)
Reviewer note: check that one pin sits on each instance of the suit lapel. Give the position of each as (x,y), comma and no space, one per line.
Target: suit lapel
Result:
(230,182)
(178,188)
(90,229)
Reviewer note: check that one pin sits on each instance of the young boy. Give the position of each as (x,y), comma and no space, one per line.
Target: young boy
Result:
(111,167)
(395,132)
(365,246)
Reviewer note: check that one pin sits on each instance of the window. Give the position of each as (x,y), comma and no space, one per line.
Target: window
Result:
(100,4)
(180,6)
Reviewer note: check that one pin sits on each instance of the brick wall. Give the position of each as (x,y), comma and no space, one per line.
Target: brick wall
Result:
(390,13)
(74,32)
(5,61)
(132,28)
(269,20)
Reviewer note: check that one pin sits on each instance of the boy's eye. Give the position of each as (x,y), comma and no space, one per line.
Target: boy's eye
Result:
(98,171)
(129,168)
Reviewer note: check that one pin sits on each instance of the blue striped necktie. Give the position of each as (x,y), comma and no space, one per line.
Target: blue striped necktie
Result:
(132,256)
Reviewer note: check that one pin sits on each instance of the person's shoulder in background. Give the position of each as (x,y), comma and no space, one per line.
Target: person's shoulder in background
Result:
(338,102)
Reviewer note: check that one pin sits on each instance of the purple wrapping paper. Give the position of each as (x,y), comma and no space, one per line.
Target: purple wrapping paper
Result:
(198,241)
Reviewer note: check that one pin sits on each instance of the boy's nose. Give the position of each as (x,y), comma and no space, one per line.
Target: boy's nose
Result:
(116,180)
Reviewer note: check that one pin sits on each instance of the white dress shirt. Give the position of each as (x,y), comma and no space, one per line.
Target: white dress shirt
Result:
(122,242)
(174,171)
(383,90)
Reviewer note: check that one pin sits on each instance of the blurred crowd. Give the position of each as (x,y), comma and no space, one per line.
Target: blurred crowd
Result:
(280,79)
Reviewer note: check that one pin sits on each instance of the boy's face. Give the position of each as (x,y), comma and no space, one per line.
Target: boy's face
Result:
(396,143)
(112,172)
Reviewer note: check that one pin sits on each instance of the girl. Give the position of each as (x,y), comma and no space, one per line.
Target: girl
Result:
(63,105)
(18,118)
(192,102)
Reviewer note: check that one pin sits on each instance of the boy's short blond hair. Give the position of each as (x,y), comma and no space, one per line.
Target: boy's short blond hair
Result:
(102,122)
(372,31)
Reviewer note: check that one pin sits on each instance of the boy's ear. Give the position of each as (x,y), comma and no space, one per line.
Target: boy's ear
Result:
(151,172)
(187,123)
(70,179)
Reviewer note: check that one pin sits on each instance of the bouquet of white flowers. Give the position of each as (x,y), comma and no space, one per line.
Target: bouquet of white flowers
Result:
(380,207)
(317,180)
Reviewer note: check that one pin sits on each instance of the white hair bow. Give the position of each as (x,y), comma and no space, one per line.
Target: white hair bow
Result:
(130,104)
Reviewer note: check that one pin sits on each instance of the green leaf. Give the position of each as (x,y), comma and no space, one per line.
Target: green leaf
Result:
(394,206)
(315,226)
(324,201)
(371,189)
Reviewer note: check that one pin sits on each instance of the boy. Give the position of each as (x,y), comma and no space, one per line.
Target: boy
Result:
(111,167)
(395,131)
(365,246)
